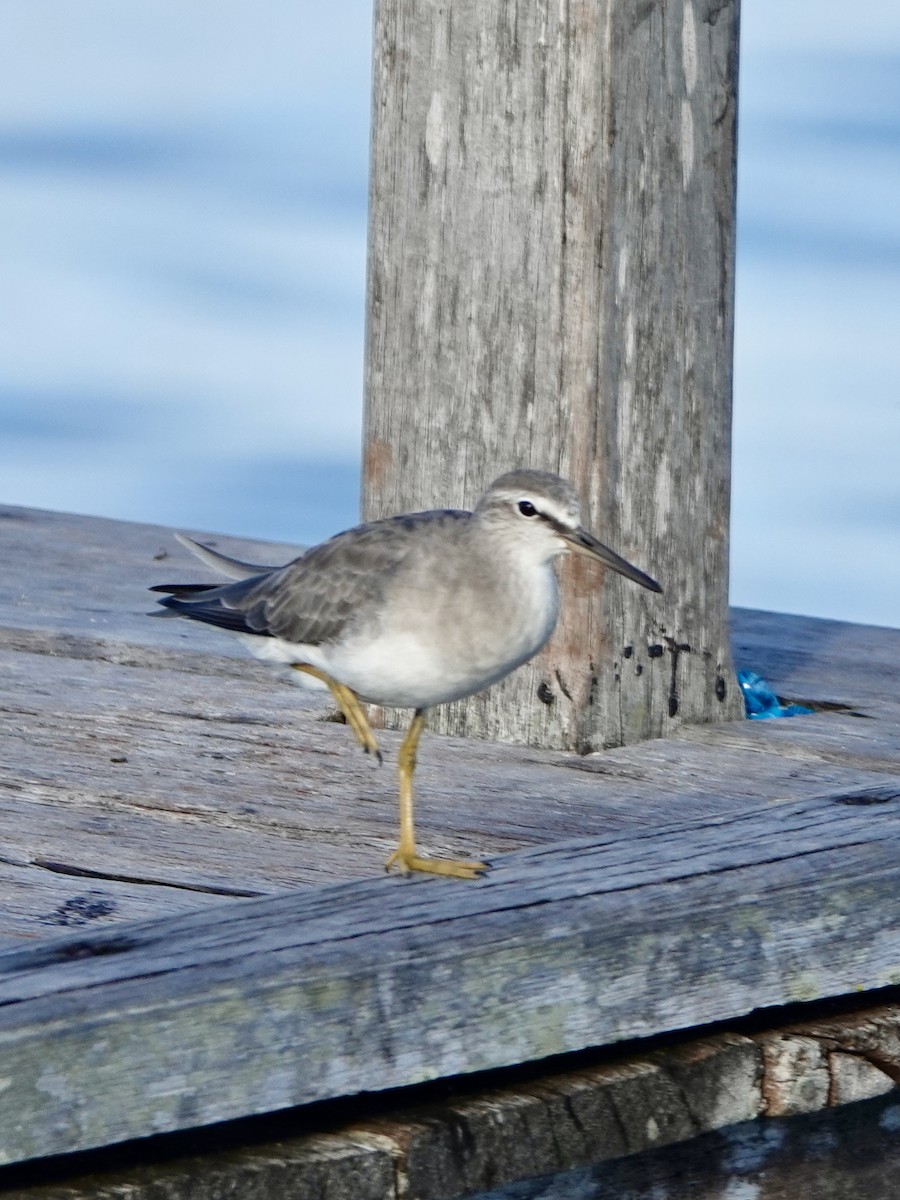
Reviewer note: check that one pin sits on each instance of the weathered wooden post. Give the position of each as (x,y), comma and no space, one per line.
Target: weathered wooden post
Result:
(551,248)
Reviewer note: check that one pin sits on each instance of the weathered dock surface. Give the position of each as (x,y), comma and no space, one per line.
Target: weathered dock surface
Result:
(194,921)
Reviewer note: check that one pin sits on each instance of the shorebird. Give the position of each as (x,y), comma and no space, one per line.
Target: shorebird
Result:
(411,611)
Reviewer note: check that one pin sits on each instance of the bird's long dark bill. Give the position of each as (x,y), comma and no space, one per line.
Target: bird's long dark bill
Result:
(582,543)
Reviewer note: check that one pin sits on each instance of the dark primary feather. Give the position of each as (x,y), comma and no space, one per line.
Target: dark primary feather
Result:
(181,589)
(312,599)
(211,604)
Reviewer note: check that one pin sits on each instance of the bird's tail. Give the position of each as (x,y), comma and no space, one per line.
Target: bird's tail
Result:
(234,568)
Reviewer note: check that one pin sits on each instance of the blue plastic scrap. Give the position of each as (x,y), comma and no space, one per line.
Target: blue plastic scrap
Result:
(761,702)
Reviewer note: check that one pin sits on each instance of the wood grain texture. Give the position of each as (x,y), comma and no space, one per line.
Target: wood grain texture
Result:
(274,1002)
(550,285)
(530,1127)
(153,775)
(316,1167)
(129,792)
(77,586)
(152,766)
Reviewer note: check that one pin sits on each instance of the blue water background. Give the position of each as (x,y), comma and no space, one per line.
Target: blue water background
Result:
(182,240)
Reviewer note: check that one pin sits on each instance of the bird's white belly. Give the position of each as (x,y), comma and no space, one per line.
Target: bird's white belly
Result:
(435,656)
(430,662)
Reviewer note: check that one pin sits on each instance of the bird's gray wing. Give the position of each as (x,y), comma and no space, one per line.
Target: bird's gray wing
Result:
(318,595)
(312,599)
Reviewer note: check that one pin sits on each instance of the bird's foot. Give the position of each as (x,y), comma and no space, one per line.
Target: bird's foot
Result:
(376,754)
(457,868)
(362,731)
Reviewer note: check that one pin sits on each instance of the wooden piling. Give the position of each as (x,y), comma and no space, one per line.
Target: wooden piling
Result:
(551,285)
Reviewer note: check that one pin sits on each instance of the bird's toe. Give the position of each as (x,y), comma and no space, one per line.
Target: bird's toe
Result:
(455,868)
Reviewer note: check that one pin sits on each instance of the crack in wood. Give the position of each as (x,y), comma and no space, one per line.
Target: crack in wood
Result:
(61,868)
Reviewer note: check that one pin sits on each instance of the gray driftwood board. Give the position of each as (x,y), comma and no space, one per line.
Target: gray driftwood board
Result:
(151,777)
(268,1003)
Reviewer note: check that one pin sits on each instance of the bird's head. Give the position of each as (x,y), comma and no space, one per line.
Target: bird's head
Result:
(541,513)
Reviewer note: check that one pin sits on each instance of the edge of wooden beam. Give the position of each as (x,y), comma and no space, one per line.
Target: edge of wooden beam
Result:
(554,1123)
(267,1004)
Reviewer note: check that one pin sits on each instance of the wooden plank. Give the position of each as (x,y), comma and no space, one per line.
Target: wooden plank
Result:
(171,775)
(78,586)
(326,1166)
(542,1123)
(150,758)
(849,741)
(127,778)
(555,1122)
(550,284)
(814,660)
(280,1001)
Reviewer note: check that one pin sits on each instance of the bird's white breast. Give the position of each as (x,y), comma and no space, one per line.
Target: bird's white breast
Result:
(452,647)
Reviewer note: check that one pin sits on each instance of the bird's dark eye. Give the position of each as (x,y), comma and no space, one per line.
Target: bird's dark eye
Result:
(527,509)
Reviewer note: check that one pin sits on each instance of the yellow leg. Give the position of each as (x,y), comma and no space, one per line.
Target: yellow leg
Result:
(349,705)
(405,857)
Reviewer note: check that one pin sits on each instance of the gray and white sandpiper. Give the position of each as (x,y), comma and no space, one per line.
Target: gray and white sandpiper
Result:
(411,611)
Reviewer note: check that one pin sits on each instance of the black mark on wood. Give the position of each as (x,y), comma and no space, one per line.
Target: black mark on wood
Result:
(562,687)
(80,910)
(675,649)
(869,795)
